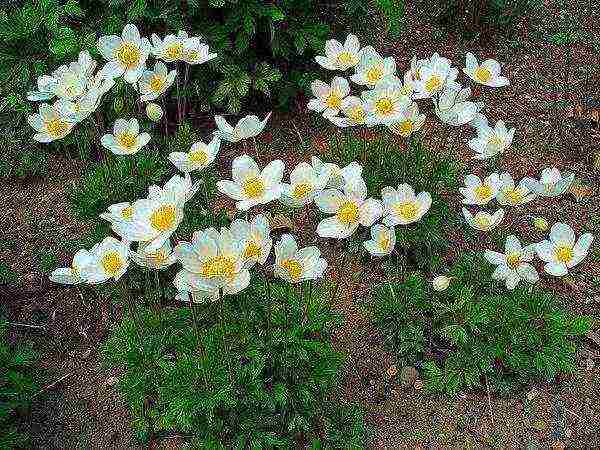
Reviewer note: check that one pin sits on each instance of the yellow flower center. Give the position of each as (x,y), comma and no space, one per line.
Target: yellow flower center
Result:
(483,221)
(403,128)
(348,214)
(56,127)
(198,156)
(191,55)
(514,196)
(384,106)
(384,242)
(174,51)
(433,84)
(163,218)
(293,268)
(252,250)
(513,260)
(127,213)
(112,263)
(219,267)
(75,271)
(158,257)
(127,140)
(483,75)
(564,254)
(407,210)
(374,74)
(128,55)
(357,114)
(483,192)
(333,100)
(346,59)
(157,82)
(254,187)
(495,141)
(301,190)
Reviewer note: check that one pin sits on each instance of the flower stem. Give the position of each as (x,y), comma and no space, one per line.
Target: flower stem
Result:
(339,275)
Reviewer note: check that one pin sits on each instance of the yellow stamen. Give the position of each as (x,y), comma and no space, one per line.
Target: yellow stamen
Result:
(357,114)
(384,241)
(433,84)
(293,268)
(157,82)
(112,263)
(346,59)
(483,75)
(513,260)
(483,192)
(374,74)
(56,127)
(483,221)
(252,250)
(163,218)
(191,55)
(301,190)
(514,196)
(254,187)
(219,267)
(349,213)
(127,140)
(128,55)
(127,213)
(403,128)
(564,254)
(384,106)
(495,141)
(407,210)
(333,100)
(198,156)
(174,51)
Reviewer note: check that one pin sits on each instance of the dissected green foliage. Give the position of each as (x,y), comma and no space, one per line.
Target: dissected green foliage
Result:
(477,329)
(256,375)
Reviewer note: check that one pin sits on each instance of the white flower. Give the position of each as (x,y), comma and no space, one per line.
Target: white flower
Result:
(441,283)
(199,157)
(328,97)
(247,127)
(50,124)
(386,101)
(154,83)
(110,260)
(483,221)
(75,273)
(154,112)
(119,212)
(350,208)
(169,49)
(408,122)
(354,111)
(382,242)
(434,76)
(250,185)
(338,56)
(561,252)
(453,108)
(195,52)
(551,183)
(125,55)
(509,195)
(305,183)
(160,259)
(82,107)
(513,265)
(372,68)
(402,206)
(254,239)
(488,73)
(337,175)
(417,64)
(181,187)
(212,261)
(126,138)
(491,141)
(295,266)
(477,192)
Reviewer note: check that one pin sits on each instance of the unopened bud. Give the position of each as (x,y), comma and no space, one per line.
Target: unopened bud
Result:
(441,283)
(540,223)
(154,112)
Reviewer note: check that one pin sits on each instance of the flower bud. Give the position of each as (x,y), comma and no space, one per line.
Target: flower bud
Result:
(540,223)
(118,105)
(154,112)
(441,283)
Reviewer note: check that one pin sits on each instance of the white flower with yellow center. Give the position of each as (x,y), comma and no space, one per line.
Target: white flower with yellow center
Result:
(350,209)
(329,98)
(561,252)
(354,111)
(196,52)
(297,265)
(491,141)
(154,112)
(482,220)
(77,272)
(434,76)
(125,55)
(81,108)
(372,68)
(453,108)
(408,122)
(417,64)
(254,239)
(486,73)
(126,138)
(514,265)
(159,259)
(305,183)
(110,261)
(402,206)
(385,102)
(199,157)
(247,127)
(338,56)
(382,242)
(181,187)
(478,192)
(119,212)
(250,185)
(511,195)
(212,261)
(50,123)
(169,49)
(551,183)
(337,175)
(154,83)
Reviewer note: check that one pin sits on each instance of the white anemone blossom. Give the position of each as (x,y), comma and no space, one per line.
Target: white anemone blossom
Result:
(254,239)
(482,220)
(125,55)
(551,183)
(169,49)
(434,76)
(402,206)
(160,259)
(196,52)
(305,183)
(338,56)
(514,264)
(408,121)
(81,108)
(486,73)
(453,108)
(50,123)
(417,64)
(328,97)
(562,252)
(76,273)
(386,102)
(247,127)
(199,157)
(251,186)
(511,195)
(491,141)
(110,260)
(382,242)
(297,265)
(337,175)
(126,138)
(153,83)
(372,68)
(354,113)
(478,191)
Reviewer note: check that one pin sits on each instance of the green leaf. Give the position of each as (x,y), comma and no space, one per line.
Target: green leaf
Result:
(72,8)
(275,14)
(136,10)
(64,41)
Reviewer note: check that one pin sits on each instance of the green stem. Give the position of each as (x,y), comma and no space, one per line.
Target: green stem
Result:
(339,275)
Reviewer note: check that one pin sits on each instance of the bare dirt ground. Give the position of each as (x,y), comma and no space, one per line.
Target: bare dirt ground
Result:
(83,410)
